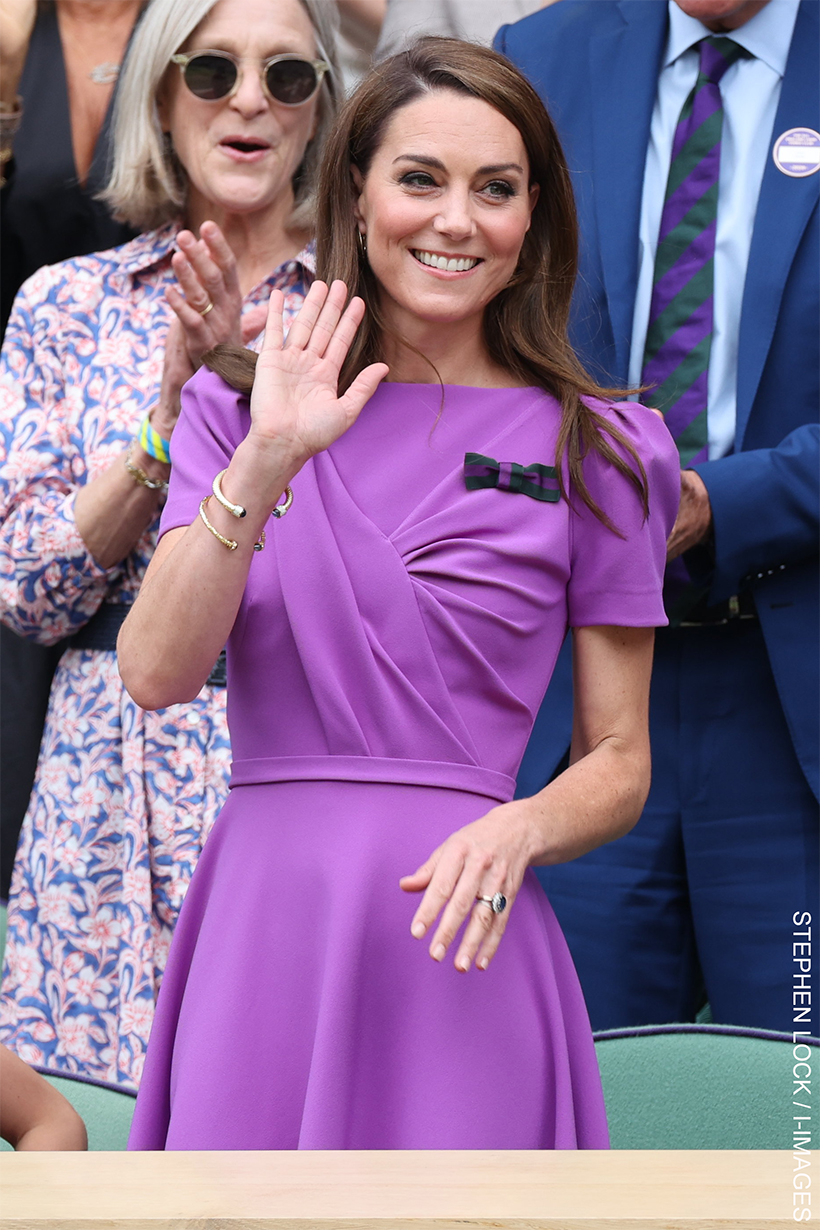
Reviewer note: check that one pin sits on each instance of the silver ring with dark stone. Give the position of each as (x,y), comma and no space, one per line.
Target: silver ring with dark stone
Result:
(497,903)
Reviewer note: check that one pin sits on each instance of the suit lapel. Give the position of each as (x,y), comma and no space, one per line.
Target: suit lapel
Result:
(784,208)
(625,55)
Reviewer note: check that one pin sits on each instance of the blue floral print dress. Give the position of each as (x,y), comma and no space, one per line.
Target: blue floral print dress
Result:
(123,799)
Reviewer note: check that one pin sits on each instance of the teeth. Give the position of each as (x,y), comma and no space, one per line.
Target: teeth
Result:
(455,265)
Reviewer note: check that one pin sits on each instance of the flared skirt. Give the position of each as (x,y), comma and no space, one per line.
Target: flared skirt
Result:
(298,1012)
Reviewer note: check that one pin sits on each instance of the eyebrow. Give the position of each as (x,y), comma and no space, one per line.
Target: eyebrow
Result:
(439,166)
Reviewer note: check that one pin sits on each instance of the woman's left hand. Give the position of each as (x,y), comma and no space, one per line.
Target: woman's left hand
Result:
(206,271)
(486,857)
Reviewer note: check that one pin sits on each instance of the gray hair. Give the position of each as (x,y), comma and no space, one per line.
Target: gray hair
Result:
(147,184)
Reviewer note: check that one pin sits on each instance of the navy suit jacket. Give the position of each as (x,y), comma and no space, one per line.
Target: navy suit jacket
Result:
(595,64)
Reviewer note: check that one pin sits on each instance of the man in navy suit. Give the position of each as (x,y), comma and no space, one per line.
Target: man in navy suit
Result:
(702,898)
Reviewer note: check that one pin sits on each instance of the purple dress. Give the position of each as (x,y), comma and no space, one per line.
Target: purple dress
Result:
(393,646)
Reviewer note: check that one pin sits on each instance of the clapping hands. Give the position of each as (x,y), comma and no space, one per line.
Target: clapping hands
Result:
(207,308)
(208,302)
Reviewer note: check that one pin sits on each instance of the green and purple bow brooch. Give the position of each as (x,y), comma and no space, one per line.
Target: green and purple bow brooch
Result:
(539,482)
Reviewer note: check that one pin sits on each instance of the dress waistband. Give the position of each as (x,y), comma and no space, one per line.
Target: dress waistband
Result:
(446,775)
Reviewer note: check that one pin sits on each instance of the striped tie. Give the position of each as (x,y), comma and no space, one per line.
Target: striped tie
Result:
(679,338)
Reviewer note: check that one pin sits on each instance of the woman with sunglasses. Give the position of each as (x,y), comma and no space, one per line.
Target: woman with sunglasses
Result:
(365,959)
(222,111)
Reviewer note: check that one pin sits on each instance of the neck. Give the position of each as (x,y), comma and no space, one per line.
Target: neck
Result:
(260,241)
(100,12)
(456,350)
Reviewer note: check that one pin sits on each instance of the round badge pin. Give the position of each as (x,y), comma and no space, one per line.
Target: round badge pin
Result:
(797,152)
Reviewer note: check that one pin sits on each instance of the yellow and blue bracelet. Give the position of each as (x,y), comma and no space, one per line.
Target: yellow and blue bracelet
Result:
(152,443)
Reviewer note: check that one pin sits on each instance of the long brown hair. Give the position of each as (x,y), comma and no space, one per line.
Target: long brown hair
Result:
(526,324)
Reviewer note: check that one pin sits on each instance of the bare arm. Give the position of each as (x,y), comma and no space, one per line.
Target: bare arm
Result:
(17,19)
(193,587)
(113,511)
(598,798)
(33,1115)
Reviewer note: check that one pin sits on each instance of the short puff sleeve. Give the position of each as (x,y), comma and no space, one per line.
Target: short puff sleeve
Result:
(618,580)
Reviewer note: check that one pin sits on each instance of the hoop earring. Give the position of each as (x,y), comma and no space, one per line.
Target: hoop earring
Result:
(362,244)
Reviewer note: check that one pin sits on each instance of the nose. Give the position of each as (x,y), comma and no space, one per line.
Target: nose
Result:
(455,218)
(250,98)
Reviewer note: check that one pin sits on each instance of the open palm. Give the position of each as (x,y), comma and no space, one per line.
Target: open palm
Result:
(295,397)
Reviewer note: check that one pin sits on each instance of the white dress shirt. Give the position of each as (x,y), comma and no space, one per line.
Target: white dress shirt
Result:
(750,89)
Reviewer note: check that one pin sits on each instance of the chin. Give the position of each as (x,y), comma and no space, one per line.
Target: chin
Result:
(711,10)
(245,199)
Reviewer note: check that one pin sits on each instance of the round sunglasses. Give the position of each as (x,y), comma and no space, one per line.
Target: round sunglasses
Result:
(286,79)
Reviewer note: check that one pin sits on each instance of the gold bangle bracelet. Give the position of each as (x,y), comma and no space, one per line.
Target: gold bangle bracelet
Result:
(236,510)
(281,509)
(230,543)
(139,476)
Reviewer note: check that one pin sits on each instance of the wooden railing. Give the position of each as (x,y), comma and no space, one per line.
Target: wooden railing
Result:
(618,1190)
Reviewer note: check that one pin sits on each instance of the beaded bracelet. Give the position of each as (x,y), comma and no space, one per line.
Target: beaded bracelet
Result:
(152,443)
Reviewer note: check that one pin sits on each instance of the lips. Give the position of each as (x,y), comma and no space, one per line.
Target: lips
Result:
(244,146)
(447,264)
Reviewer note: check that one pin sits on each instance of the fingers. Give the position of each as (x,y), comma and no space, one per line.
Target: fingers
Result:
(207,300)
(211,261)
(198,337)
(196,293)
(491,938)
(443,870)
(359,394)
(461,902)
(274,327)
(328,319)
(345,332)
(482,935)
(221,254)
(322,327)
(453,878)
(302,326)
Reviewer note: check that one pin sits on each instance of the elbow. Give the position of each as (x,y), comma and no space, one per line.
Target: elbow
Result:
(146,681)
(61,1131)
(634,791)
(149,689)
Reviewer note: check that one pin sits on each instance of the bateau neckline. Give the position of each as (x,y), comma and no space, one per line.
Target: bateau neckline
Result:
(473,388)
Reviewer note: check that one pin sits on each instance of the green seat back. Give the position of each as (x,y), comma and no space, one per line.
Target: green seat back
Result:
(697,1087)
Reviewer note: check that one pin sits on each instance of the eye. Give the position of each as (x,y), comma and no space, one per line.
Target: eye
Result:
(418,179)
(499,188)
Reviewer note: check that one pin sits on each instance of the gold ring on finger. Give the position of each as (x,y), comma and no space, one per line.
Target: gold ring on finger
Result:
(497,903)
(209,307)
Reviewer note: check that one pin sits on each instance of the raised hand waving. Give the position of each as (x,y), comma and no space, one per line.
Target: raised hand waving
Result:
(295,399)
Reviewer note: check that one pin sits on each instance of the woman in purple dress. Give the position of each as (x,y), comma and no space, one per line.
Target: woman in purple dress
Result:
(389,643)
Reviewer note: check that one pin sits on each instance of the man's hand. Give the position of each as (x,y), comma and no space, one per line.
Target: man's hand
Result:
(694,515)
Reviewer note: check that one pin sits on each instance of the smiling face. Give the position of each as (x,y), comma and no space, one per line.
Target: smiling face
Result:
(241,153)
(444,207)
